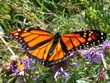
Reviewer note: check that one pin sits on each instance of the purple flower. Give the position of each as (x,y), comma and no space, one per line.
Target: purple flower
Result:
(21,66)
(102,75)
(106,47)
(75,53)
(58,68)
(26,61)
(61,71)
(93,55)
(36,78)
(18,69)
(73,63)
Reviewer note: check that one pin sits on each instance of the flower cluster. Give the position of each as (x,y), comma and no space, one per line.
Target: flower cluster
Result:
(17,67)
(94,55)
(21,66)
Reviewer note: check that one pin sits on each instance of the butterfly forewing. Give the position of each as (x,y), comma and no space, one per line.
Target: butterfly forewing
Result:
(79,40)
(31,37)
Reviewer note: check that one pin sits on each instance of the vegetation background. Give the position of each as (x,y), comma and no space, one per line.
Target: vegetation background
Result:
(54,16)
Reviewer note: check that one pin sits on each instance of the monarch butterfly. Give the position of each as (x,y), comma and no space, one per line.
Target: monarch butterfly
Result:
(51,49)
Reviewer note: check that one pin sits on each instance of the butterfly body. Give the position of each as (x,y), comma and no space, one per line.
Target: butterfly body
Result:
(50,49)
(55,41)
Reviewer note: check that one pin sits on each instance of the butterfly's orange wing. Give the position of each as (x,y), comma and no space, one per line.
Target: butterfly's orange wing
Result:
(31,38)
(37,43)
(42,54)
(83,39)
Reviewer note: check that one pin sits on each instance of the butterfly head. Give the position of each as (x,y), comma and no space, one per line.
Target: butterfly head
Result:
(57,35)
